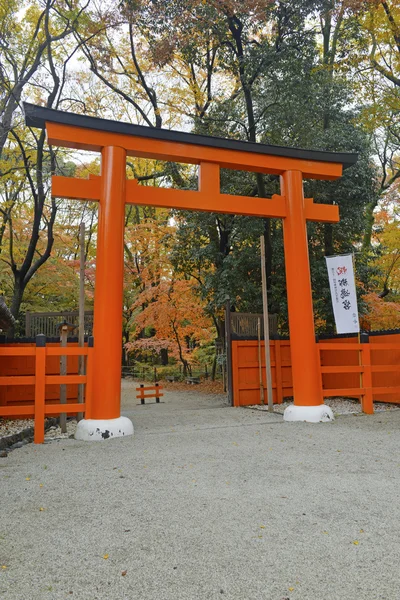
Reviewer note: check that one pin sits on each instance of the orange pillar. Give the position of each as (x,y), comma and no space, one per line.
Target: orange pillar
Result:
(108,303)
(307,387)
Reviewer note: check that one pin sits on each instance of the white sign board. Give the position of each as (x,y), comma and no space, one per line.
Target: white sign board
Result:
(343,293)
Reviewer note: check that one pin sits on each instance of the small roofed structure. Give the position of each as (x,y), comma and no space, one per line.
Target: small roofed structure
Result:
(6,318)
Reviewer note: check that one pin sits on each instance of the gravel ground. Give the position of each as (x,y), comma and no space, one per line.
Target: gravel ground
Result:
(10,427)
(339,406)
(206,502)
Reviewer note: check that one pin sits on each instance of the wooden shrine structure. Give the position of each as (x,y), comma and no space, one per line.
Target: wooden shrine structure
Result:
(115,141)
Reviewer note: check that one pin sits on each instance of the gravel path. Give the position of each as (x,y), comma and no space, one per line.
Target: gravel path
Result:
(206,502)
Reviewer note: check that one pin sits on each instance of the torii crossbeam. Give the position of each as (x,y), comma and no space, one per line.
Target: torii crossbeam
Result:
(113,190)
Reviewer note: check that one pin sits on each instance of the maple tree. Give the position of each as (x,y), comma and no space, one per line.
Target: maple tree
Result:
(320,74)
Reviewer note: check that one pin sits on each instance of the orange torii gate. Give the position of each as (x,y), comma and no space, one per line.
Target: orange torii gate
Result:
(116,141)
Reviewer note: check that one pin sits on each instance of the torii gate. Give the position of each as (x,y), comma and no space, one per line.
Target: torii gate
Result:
(116,140)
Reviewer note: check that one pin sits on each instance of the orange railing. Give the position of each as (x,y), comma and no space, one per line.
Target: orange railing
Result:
(40,408)
(369,370)
(366,390)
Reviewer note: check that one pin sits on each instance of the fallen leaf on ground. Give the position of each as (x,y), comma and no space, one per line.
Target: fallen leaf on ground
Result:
(105,556)
(123,573)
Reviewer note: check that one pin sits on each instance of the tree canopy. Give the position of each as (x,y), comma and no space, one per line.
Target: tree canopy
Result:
(322,74)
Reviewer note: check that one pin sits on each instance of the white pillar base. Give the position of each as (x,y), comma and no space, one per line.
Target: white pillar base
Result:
(95,430)
(311,414)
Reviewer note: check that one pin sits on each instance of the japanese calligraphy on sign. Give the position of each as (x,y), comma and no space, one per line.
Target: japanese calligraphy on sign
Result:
(343,293)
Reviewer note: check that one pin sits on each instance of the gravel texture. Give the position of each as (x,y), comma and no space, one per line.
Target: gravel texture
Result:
(206,502)
(339,406)
(11,427)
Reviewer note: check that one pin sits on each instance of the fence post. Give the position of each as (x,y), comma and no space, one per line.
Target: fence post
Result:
(278,371)
(40,388)
(228,343)
(142,394)
(157,392)
(367,400)
(63,371)
(28,324)
(89,378)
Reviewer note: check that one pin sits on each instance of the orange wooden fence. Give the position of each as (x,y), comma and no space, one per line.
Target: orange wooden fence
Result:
(40,406)
(369,371)
(150,391)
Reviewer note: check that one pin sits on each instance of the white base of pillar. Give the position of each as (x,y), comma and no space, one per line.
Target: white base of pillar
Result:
(311,414)
(95,430)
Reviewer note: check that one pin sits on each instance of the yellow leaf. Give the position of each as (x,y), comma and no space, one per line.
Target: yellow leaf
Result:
(361,530)
(40,484)
(4,566)
(355,542)
(291,589)
(105,556)
(27,478)
(41,509)
(262,526)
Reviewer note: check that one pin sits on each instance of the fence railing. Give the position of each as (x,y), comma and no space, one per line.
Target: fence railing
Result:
(47,322)
(245,325)
(368,370)
(366,390)
(40,407)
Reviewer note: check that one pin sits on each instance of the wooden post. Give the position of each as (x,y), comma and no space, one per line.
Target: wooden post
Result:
(278,371)
(40,388)
(89,379)
(228,342)
(142,401)
(307,387)
(81,342)
(28,324)
(266,328)
(108,299)
(259,361)
(367,400)
(63,371)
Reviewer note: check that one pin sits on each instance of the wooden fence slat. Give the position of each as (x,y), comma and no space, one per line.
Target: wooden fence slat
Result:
(350,392)
(56,409)
(386,390)
(338,346)
(13,351)
(380,346)
(7,411)
(63,379)
(72,351)
(149,388)
(278,372)
(40,385)
(17,380)
(385,368)
(344,369)
(367,398)
(89,380)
